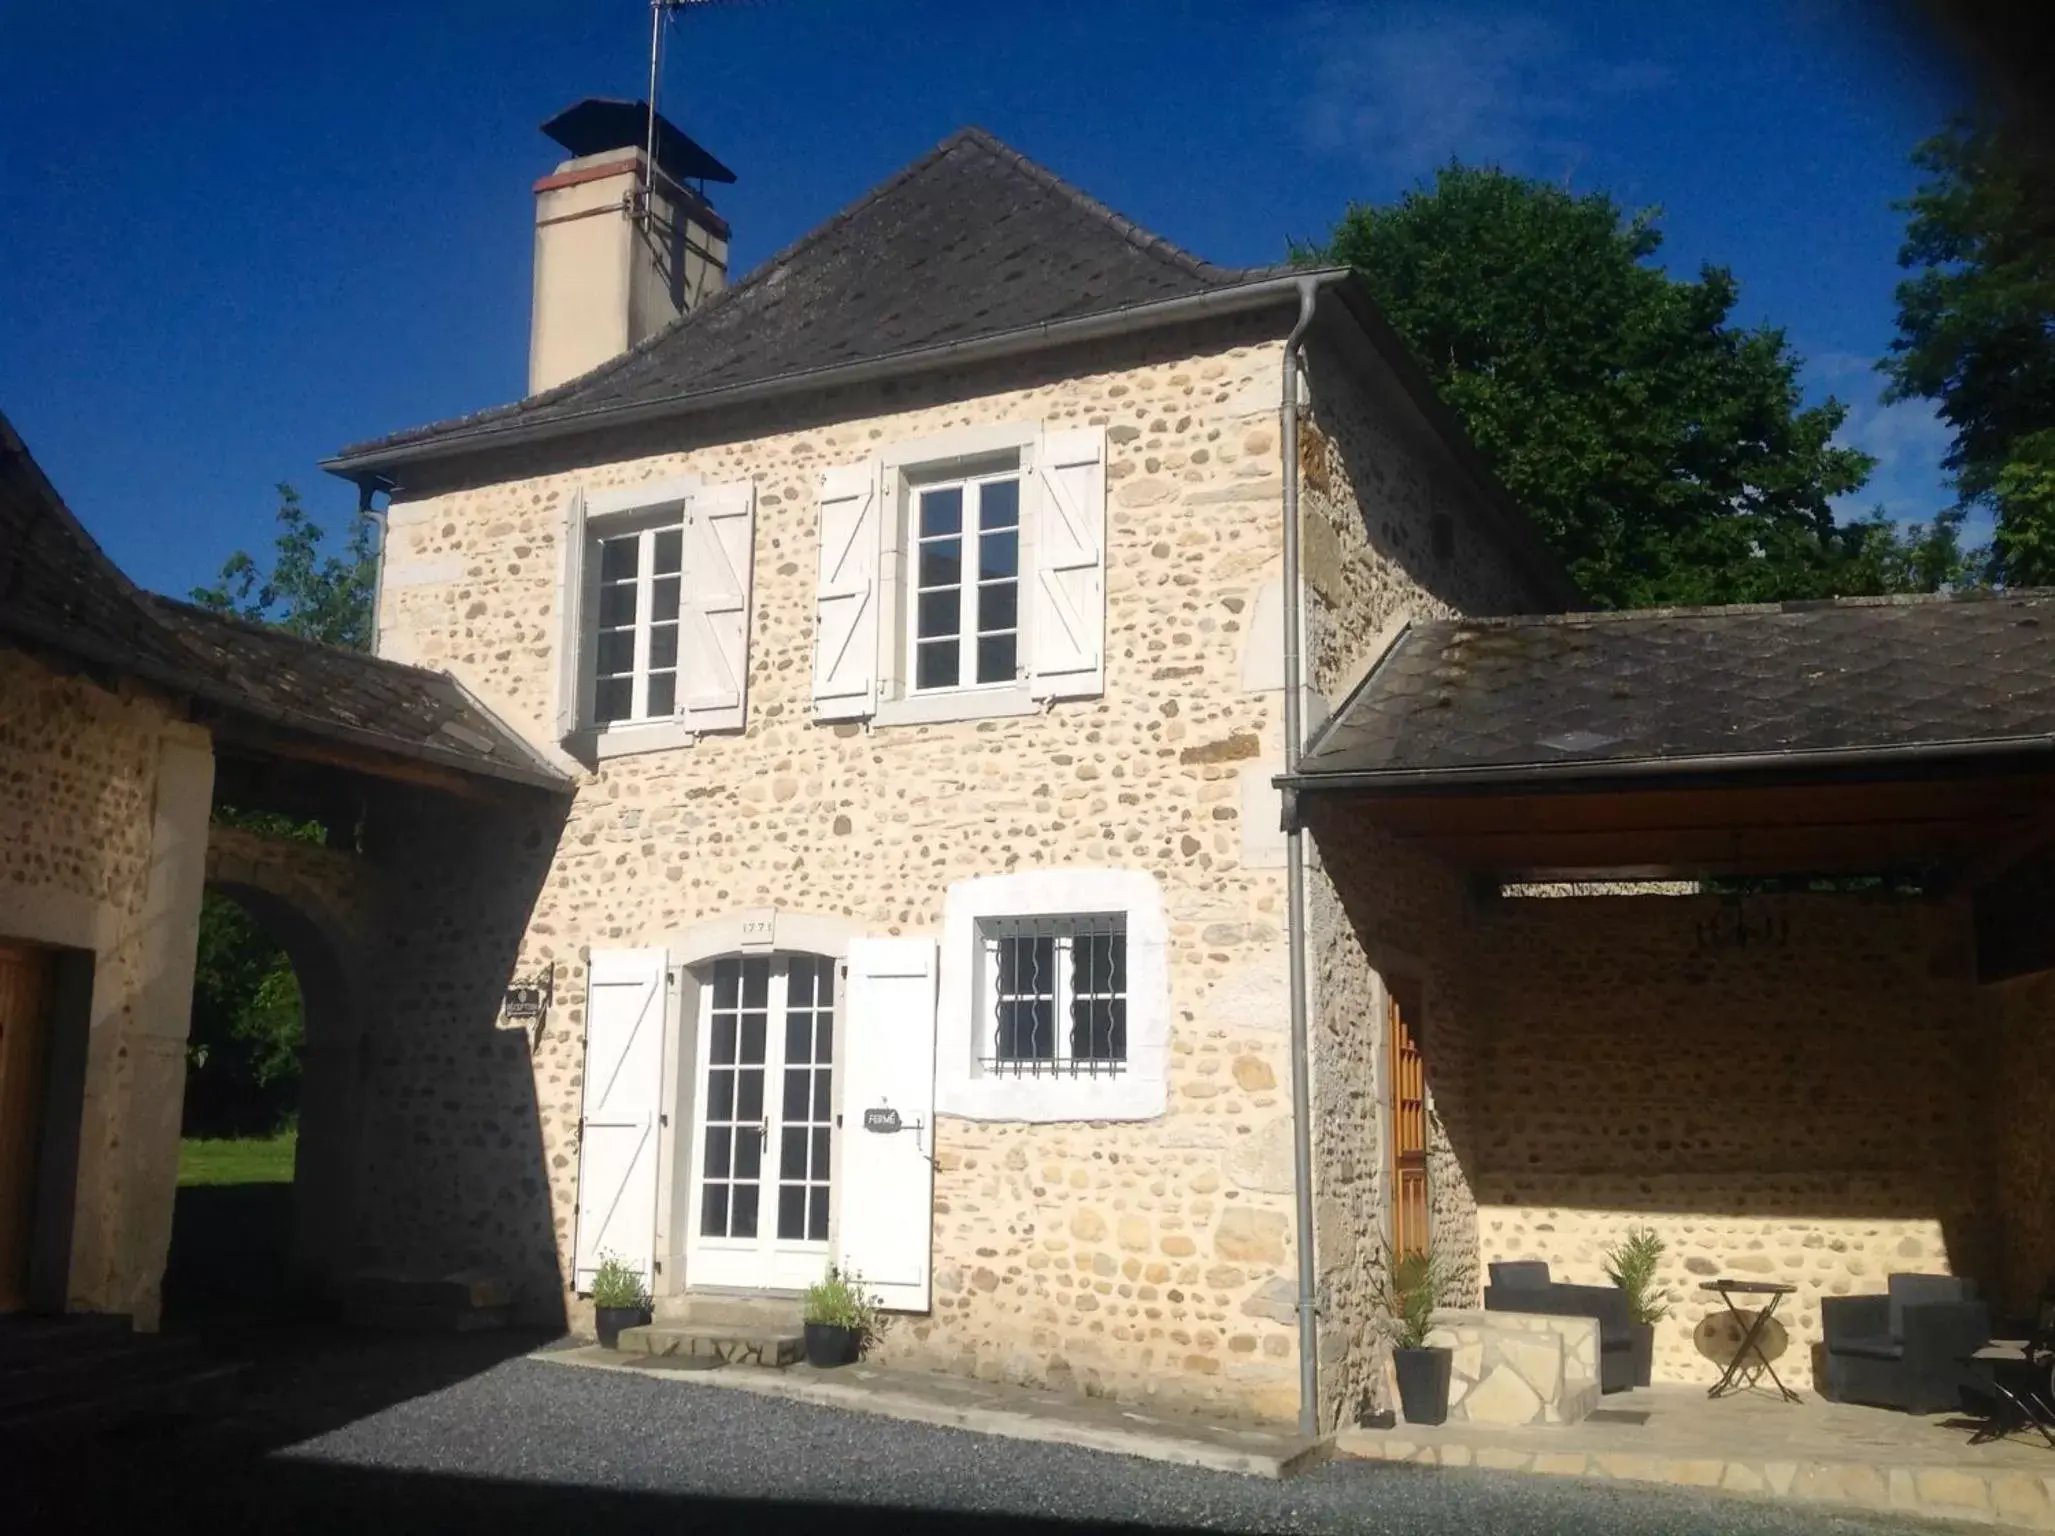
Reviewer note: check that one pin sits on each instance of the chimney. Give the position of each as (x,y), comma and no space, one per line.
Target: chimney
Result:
(606,277)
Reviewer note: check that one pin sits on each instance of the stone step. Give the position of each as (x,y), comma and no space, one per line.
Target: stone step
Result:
(705,1331)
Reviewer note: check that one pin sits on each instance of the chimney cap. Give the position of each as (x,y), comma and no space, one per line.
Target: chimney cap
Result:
(601,123)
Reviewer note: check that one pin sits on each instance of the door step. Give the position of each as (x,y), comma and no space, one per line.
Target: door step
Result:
(706,1331)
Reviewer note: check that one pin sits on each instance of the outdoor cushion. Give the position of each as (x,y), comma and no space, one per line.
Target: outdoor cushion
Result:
(1911,1290)
(1520,1273)
(1875,1347)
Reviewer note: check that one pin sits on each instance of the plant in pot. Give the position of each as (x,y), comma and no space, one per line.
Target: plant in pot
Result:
(1631,1264)
(840,1318)
(619,1300)
(1411,1286)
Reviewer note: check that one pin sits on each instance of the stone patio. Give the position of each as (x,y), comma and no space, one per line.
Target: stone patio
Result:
(1830,1453)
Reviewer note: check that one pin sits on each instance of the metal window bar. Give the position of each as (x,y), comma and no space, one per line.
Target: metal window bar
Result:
(1057,991)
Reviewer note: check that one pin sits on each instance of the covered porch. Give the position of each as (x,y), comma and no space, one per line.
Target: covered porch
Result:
(1732,924)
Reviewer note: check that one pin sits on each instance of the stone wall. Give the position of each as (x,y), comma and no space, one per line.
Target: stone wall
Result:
(2020,1016)
(102,838)
(1807,1113)
(1139,1258)
(1392,532)
(1381,910)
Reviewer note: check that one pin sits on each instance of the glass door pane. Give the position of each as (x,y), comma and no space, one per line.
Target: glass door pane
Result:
(736,1127)
(805,1118)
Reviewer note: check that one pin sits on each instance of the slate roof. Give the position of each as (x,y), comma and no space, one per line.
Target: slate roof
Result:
(346,695)
(59,589)
(1595,694)
(973,240)
(60,592)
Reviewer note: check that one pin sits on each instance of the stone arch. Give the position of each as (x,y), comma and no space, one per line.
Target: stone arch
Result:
(321,906)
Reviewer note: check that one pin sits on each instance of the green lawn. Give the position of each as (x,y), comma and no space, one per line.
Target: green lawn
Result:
(238,1160)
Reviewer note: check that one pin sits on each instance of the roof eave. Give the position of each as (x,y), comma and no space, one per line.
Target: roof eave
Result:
(1606,772)
(1239,298)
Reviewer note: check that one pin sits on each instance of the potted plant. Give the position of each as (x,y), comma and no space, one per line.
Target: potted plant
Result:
(619,1300)
(1631,1264)
(1411,1287)
(839,1317)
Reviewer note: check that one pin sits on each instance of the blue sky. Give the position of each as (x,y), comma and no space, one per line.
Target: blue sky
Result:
(239,234)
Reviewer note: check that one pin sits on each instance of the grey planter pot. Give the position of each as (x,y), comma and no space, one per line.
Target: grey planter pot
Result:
(1423,1383)
(608,1322)
(827,1345)
(1643,1335)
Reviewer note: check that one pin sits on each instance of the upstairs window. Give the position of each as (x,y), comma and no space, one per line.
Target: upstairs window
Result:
(965,557)
(636,657)
(654,611)
(962,576)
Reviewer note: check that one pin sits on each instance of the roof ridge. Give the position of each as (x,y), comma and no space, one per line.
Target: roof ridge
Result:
(1142,239)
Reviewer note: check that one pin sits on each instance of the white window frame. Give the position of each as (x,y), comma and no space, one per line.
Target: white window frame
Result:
(963,1086)
(645,623)
(608,514)
(970,585)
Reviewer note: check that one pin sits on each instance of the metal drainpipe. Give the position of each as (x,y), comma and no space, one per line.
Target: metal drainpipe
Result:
(1295,884)
(366,489)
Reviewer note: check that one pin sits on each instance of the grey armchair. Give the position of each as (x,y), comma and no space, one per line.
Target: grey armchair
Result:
(1908,1348)
(1523,1285)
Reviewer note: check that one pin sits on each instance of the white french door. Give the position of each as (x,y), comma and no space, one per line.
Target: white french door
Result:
(763,1127)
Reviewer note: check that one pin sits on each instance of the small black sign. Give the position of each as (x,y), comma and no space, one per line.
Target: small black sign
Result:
(881,1120)
(524,1002)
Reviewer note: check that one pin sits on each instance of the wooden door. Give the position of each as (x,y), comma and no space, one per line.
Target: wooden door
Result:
(1407,1078)
(24,1069)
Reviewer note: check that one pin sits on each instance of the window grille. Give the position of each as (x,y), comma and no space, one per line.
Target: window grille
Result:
(1055,992)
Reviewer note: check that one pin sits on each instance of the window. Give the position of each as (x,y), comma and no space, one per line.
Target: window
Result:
(654,608)
(1054,997)
(636,655)
(962,576)
(1057,994)
(966,581)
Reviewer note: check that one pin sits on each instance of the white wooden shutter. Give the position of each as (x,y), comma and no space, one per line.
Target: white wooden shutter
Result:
(845,646)
(1067,605)
(617,1145)
(713,640)
(574,625)
(884,1232)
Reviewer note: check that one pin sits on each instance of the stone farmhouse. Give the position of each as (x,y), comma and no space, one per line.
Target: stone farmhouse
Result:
(1001,755)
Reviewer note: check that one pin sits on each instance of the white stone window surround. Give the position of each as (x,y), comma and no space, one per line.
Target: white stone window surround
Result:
(960,453)
(1140,1091)
(605,513)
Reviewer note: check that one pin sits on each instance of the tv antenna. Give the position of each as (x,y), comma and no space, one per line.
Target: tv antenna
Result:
(661,13)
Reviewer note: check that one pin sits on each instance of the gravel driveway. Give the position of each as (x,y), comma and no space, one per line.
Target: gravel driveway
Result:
(522,1445)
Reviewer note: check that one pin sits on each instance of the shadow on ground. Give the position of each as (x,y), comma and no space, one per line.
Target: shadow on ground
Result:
(215,1466)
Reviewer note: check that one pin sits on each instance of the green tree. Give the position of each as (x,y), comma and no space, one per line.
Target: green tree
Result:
(307,592)
(243,1053)
(1666,454)
(1976,329)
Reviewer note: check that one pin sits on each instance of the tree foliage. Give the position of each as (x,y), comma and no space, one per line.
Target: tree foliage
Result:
(1976,329)
(1666,454)
(307,591)
(243,1054)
